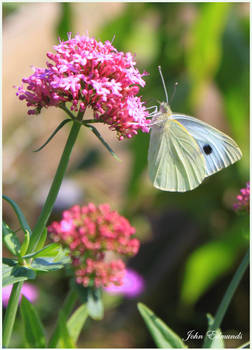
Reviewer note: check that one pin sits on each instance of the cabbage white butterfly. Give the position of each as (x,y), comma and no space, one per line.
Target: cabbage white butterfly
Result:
(183,150)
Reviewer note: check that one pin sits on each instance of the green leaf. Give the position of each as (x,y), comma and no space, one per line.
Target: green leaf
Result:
(48,264)
(76,322)
(216,339)
(65,340)
(94,303)
(42,240)
(66,309)
(63,255)
(34,331)
(96,132)
(10,240)
(211,260)
(205,46)
(16,273)
(25,243)
(51,250)
(20,215)
(163,336)
(92,297)
(53,134)
(10,262)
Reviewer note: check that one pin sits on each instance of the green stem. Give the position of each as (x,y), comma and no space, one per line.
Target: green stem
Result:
(65,109)
(11,313)
(69,302)
(227,298)
(52,195)
(66,310)
(40,225)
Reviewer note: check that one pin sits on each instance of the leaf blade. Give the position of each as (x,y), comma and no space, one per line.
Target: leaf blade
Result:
(94,303)
(201,270)
(77,321)
(96,132)
(53,134)
(10,240)
(34,331)
(16,273)
(92,297)
(51,250)
(42,240)
(65,340)
(163,336)
(47,264)
(25,243)
(21,218)
(216,339)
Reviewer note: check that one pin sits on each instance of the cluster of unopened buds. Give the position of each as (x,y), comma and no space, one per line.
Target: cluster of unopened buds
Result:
(84,72)
(242,203)
(92,233)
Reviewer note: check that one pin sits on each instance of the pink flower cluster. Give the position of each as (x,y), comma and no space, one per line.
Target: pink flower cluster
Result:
(85,72)
(243,199)
(90,232)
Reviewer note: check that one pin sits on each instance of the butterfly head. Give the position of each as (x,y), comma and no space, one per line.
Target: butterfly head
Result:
(165,108)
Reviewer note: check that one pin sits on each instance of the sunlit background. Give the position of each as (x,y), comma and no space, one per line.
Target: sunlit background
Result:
(191,242)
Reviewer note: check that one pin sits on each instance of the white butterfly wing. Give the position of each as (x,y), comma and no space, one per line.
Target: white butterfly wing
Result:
(223,150)
(175,162)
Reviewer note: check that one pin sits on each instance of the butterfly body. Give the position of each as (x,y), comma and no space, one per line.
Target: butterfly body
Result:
(183,151)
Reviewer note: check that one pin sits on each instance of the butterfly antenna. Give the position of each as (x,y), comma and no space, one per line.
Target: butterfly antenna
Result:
(113,39)
(166,94)
(174,91)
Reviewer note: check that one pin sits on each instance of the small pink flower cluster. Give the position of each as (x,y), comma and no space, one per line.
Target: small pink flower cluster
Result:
(243,199)
(89,232)
(86,72)
(104,273)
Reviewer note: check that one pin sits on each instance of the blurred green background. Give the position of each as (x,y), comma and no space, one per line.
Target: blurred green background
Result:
(191,242)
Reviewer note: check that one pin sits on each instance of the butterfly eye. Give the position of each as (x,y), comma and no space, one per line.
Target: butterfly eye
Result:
(207,149)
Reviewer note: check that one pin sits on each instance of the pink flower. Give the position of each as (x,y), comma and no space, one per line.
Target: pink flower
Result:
(91,232)
(242,203)
(132,285)
(86,72)
(28,290)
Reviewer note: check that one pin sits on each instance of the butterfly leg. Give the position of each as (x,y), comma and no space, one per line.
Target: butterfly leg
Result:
(155,109)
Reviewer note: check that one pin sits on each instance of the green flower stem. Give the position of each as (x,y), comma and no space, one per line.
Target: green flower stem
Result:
(52,195)
(69,302)
(11,313)
(227,298)
(65,109)
(39,227)
(66,311)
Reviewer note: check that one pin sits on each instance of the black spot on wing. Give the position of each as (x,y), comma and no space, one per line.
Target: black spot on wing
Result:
(207,149)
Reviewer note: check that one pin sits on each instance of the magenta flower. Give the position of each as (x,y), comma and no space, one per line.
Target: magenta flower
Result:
(132,285)
(85,72)
(28,290)
(90,233)
(242,203)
